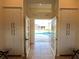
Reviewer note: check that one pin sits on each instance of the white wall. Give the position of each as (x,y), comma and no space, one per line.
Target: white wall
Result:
(69,3)
(13,3)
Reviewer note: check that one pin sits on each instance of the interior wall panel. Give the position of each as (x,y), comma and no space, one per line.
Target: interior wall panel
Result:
(67,39)
(14,30)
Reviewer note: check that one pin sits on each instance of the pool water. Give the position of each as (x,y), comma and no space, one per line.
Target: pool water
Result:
(45,33)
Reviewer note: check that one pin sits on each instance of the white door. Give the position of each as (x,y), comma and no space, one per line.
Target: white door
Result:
(13,30)
(67,31)
(27,36)
(53,35)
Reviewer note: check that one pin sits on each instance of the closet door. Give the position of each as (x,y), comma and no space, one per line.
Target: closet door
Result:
(68,31)
(13,30)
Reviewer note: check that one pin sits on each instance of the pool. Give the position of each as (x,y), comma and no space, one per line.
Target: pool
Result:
(44,33)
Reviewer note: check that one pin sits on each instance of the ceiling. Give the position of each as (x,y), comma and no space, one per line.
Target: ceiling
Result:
(40,8)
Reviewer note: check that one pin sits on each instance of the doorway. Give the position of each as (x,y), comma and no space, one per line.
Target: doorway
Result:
(44,46)
(42,30)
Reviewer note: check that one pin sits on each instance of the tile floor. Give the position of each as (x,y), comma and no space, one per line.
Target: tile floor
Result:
(41,50)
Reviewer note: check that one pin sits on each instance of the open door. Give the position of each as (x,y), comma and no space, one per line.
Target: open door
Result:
(53,35)
(27,36)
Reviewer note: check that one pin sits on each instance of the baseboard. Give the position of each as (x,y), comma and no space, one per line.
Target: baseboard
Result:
(14,55)
(66,55)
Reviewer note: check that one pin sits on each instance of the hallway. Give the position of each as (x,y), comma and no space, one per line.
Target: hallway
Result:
(41,50)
